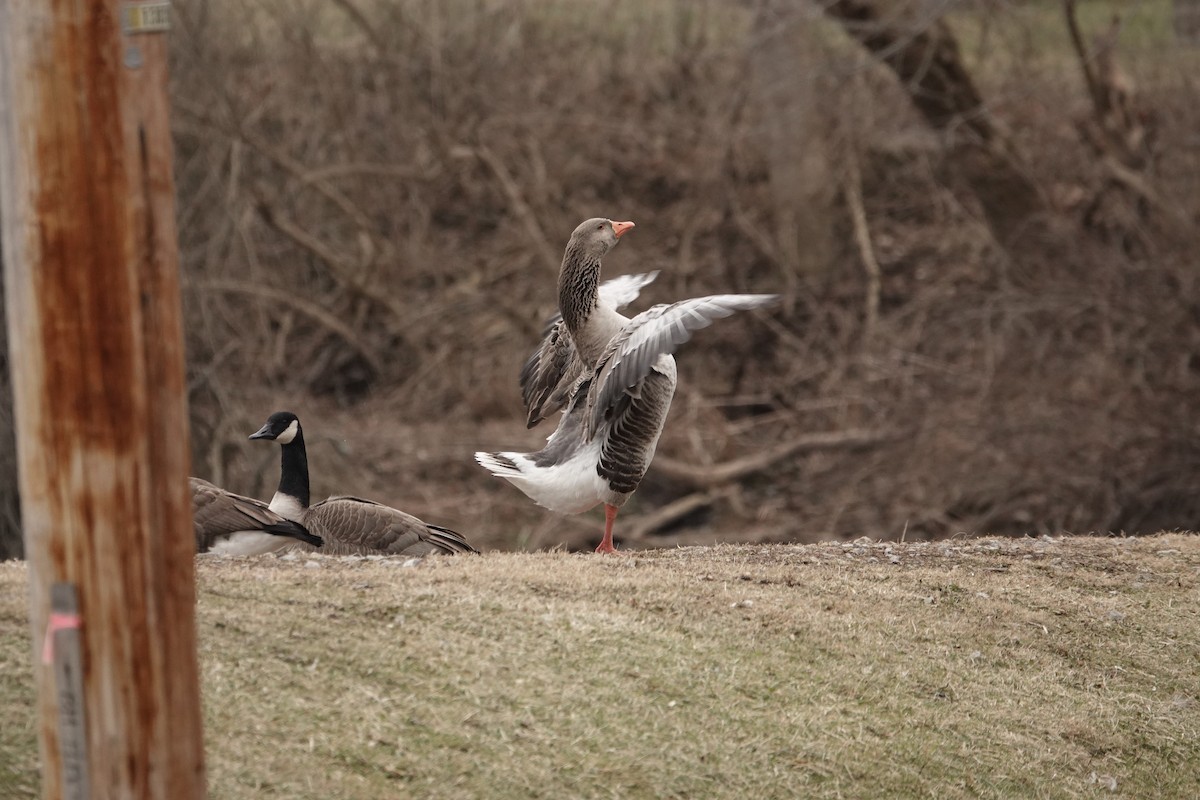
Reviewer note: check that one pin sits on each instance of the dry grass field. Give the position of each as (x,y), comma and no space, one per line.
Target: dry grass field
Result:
(1026,668)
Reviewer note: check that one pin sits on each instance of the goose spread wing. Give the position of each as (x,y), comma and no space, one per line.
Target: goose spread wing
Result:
(352,525)
(655,332)
(622,290)
(550,373)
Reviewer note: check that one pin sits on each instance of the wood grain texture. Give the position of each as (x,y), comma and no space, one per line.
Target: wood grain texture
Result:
(92,291)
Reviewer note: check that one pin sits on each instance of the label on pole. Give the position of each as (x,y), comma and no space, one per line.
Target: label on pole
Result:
(145,17)
(62,648)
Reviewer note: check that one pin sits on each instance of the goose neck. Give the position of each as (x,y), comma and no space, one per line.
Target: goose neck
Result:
(578,288)
(293,472)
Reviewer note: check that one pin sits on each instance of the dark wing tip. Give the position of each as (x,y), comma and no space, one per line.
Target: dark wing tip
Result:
(294,530)
(448,541)
(311,538)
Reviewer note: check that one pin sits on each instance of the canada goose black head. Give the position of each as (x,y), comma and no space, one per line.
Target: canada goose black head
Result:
(282,427)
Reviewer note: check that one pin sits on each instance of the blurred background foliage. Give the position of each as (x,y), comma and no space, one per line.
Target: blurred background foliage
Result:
(982,216)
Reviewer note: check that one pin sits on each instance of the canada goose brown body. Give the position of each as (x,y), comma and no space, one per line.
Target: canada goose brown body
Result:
(232,524)
(613,376)
(348,525)
(364,526)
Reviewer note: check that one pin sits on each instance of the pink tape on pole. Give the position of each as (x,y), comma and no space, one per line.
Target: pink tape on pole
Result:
(57,622)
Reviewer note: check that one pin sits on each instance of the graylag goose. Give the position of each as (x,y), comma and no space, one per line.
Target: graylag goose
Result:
(349,525)
(614,376)
(230,524)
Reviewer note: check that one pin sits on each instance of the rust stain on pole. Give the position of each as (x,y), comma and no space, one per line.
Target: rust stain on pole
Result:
(92,287)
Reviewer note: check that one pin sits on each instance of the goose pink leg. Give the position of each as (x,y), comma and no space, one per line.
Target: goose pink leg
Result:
(610,516)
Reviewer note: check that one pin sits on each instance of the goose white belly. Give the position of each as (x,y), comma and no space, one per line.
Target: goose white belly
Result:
(568,487)
(248,543)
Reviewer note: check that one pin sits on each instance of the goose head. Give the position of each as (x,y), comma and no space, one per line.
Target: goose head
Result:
(593,238)
(282,427)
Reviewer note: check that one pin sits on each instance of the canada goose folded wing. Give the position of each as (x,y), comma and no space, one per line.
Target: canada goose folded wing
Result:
(352,525)
(218,514)
(448,541)
(656,332)
(551,371)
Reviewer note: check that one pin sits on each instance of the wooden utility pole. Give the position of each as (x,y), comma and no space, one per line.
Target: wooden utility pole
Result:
(92,295)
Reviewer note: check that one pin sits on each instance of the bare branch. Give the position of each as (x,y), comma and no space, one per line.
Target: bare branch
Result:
(930,66)
(862,237)
(718,474)
(343,268)
(926,61)
(1085,59)
(646,524)
(520,206)
(304,174)
(309,309)
(360,21)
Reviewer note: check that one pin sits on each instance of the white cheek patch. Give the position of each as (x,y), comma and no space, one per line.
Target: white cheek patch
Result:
(289,433)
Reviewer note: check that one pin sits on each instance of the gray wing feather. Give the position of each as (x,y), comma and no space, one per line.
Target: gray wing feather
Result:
(551,371)
(622,290)
(548,374)
(656,332)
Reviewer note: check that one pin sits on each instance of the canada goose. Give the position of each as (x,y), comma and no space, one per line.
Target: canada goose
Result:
(231,524)
(349,525)
(614,375)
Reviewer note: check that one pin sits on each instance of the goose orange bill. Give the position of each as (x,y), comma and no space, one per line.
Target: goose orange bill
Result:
(619,228)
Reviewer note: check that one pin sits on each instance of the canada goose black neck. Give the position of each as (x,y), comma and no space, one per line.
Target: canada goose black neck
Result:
(293,470)
(578,286)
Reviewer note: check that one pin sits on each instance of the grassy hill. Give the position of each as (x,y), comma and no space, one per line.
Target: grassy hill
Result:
(972,668)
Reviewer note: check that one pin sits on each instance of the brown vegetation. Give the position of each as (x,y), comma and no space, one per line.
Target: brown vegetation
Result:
(987,253)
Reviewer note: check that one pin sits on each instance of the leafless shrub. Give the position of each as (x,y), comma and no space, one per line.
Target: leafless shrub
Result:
(379,196)
(373,198)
